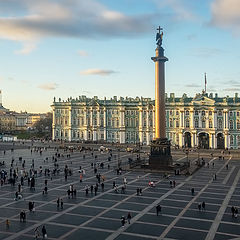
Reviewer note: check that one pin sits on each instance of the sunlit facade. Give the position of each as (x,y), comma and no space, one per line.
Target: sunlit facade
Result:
(206,121)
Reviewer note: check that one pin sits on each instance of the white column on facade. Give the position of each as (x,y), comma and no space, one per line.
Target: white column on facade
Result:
(215,141)
(197,140)
(192,140)
(226,140)
(70,124)
(53,125)
(141,125)
(181,143)
(210,141)
(105,124)
(214,119)
(181,120)
(153,121)
(98,117)
(147,130)
(94,135)
(91,117)
(200,119)
(191,119)
(122,126)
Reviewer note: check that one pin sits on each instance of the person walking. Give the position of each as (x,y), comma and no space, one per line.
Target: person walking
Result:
(36,232)
(102,185)
(192,190)
(58,203)
(61,203)
(123,220)
(233,210)
(199,206)
(129,217)
(7,224)
(203,205)
(158,209)
(44,232)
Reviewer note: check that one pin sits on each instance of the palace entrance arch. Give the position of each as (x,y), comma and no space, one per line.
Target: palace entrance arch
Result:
(187,139)
(203,140)
(220,141)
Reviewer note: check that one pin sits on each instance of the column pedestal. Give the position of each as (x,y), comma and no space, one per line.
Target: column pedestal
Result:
(160,155)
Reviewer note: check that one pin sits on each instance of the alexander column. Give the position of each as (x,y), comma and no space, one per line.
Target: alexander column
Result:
(160,155)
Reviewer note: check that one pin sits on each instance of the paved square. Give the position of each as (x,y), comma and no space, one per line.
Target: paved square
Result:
(98,216)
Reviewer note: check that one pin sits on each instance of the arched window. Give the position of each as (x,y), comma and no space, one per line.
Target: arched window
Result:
(220,124)
(231,139)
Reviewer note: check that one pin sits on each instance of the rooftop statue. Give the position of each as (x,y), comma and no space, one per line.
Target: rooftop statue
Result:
(159,37)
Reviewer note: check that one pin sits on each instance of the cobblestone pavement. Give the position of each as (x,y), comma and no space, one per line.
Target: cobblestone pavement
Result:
(99,217)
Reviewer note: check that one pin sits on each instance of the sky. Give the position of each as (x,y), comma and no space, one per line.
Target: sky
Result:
(69,48)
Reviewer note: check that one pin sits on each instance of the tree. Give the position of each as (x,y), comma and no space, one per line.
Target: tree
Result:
(44,125)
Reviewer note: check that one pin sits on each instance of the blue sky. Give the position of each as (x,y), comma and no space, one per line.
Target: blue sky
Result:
(103,48)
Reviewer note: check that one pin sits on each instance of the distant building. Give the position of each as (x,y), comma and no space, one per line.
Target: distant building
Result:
(206,121)
(13,121)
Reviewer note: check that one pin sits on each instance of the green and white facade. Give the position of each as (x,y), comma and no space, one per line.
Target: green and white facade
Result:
(207,121)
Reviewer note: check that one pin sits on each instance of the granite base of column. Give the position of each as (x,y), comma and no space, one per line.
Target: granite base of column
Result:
(160,155)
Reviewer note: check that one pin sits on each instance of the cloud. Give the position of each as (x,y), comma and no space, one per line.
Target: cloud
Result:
(179,10)
(205,52)
(28,47)
(191,37)
(231,89)
(226,15)
(97,72)
(232,83)
(83,53)
(28,21)
(48,86)
(193,85)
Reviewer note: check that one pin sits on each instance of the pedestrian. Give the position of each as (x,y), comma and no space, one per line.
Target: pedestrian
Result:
(158,209)
(129,217)
(203,205)
(102,185)
(86,190)
(7,224)
(227,166)
(21,216)
(192,190)
(199,206)
(213,165)
(58,203)
(44,232)
(233,210)
(61,203)
(123,220)
(174,183)
(170,184)
(91,189)
(36,232)
(68,193)
(95,190)
(138,191)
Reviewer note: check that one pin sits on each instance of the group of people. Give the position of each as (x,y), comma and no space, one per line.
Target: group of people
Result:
(201,206)
(123,219)
(22,216)
(71,191)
